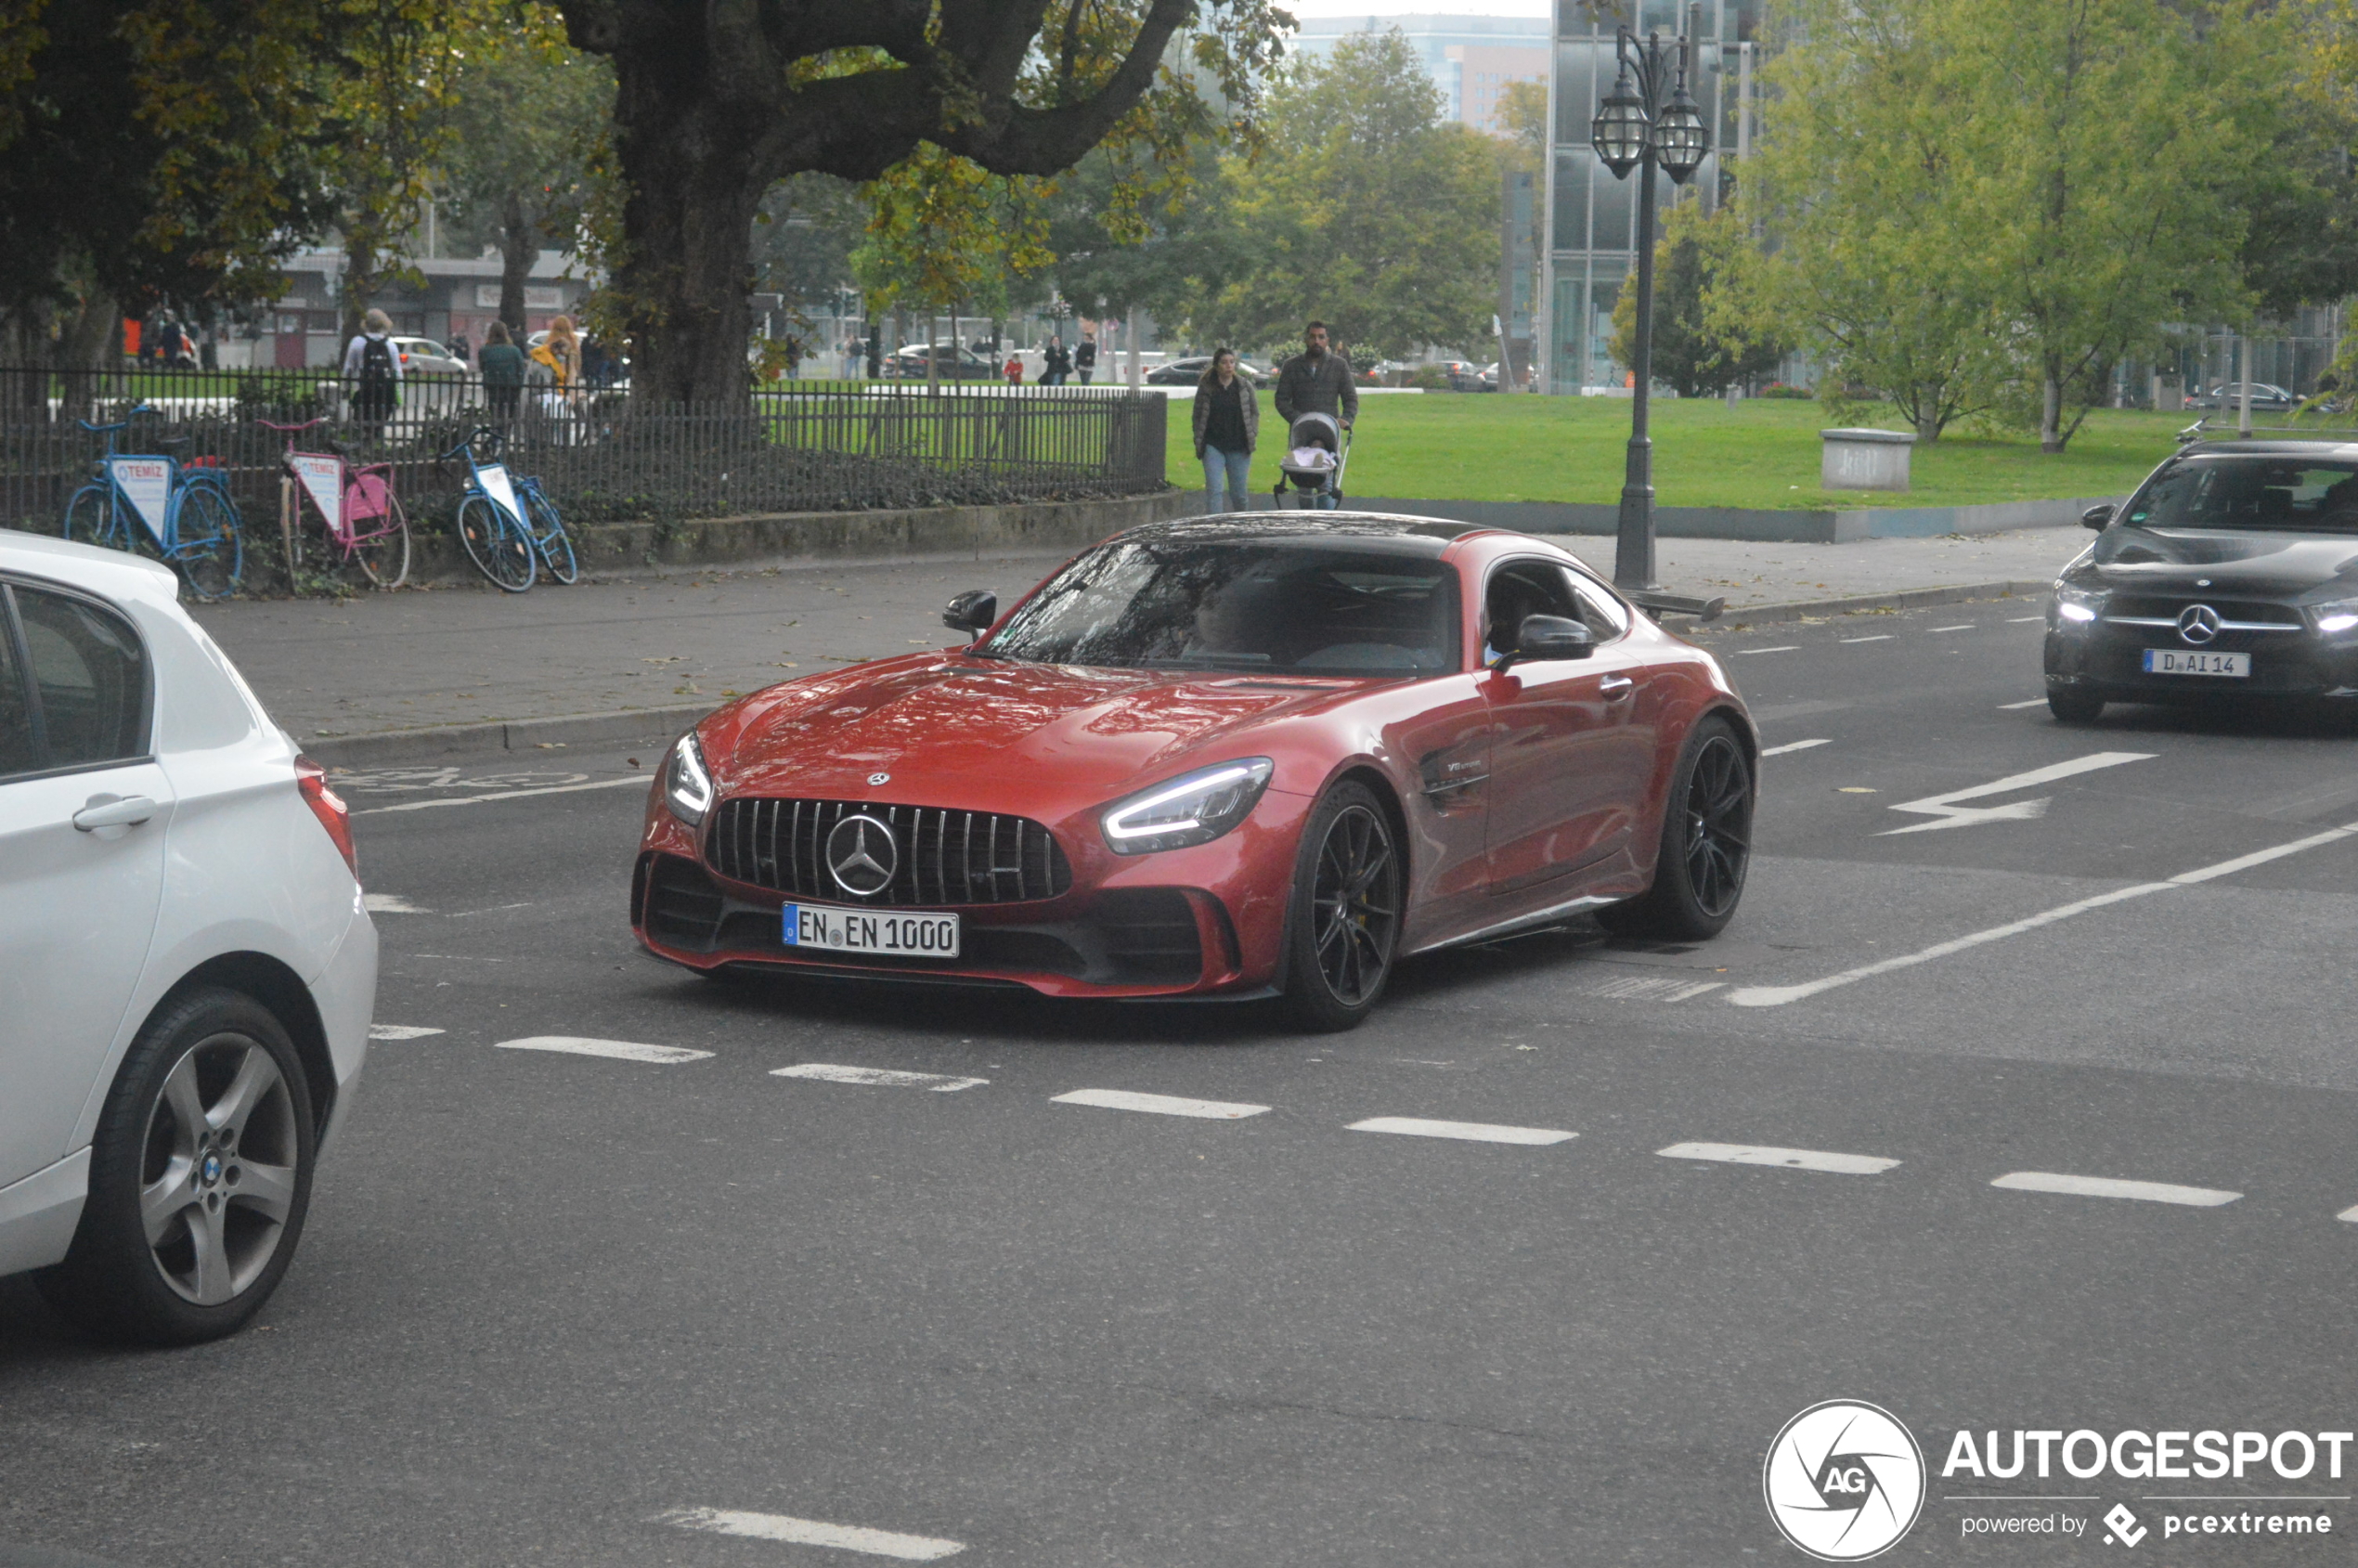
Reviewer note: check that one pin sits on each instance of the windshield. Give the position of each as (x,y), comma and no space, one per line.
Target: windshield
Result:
(2287,493)
(1311,607)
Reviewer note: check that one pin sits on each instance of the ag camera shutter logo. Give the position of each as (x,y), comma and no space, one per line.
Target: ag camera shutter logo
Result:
(1843,1481)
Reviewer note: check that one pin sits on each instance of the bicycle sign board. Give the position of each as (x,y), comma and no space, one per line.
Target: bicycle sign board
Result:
(323,476)
(147,484)
(495,484)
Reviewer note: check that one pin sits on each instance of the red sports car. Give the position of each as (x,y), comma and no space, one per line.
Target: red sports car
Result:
(1260,755)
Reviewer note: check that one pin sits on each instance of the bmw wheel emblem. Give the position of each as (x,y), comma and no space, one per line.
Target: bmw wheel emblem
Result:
(874,779)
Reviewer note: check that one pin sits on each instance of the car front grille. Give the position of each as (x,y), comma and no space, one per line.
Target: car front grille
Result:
(2247,624)
(942,857)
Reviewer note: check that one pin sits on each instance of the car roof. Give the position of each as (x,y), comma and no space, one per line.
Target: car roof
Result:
(2345,451)
(1426,536)
(111,573)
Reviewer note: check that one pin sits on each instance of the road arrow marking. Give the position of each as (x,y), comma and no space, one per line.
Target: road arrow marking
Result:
(1949,813)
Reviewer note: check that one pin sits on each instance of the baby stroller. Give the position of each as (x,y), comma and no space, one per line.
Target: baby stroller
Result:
(1317,450)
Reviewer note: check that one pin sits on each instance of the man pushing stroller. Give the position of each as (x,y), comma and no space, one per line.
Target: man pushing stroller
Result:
(1318,401)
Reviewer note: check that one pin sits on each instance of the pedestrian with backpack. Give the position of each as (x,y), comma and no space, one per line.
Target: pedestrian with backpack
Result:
(374,365)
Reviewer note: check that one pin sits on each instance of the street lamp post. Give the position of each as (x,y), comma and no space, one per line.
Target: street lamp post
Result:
(1649,118)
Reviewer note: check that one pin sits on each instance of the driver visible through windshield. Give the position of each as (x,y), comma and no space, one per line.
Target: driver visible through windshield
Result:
(1307,607)
(2237,490)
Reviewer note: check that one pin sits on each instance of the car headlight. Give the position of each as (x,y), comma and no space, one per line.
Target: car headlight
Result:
(687,783)
(2337,616)
(2077,606)
(1192,809)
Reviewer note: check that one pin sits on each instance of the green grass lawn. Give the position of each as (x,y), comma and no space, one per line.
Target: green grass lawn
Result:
(1762,453)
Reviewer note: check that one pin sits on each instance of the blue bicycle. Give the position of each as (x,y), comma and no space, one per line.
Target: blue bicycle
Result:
(183,509)
(508,525)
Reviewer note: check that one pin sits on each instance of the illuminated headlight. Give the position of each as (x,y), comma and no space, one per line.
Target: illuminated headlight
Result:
(687,784)
(1193,808)
(2337,616)
(2079,607)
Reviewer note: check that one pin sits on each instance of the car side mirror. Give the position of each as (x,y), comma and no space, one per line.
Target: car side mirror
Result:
(2096,516)
(1549,636)
(971,612)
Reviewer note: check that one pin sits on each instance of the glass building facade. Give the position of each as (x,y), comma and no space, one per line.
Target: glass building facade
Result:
(1591,215)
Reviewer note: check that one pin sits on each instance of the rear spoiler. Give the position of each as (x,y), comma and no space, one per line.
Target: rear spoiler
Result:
(1658,605)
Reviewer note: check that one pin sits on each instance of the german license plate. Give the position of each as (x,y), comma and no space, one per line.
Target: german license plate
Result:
(2182,661)
(872,930)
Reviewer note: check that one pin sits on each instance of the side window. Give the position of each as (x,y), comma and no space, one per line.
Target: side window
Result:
(1603,613)
(1520,588)
(89,679)
(17,754)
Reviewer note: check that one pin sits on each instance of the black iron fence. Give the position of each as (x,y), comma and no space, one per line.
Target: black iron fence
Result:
(797,447)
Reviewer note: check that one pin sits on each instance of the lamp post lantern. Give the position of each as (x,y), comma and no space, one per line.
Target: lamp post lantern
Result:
(1649,118)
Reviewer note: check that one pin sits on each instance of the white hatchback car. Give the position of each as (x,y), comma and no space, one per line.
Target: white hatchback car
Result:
(186,969)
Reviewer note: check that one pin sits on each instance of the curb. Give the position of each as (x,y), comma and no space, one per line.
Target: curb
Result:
(1906,599)
(651,724)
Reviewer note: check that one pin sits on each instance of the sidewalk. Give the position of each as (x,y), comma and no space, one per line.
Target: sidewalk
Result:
(688,641)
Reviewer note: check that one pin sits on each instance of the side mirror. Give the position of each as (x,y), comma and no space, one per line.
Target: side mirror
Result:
(971,612)
(2096,516)
(1549,636)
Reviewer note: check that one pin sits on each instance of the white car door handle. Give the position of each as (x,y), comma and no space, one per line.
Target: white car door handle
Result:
(1616,687)
(103,811)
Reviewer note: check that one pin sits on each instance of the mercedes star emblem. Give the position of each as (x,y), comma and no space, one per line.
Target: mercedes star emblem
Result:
(879,779)
(2197,623)
(861,856)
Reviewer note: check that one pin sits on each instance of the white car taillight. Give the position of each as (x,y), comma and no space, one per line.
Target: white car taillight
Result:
(328,807)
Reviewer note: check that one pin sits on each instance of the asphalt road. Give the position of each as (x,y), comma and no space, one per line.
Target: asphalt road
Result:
(551,1305)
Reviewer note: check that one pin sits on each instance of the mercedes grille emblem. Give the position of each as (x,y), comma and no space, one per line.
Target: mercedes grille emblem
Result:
(879,779)
(861,856)
(2197,623)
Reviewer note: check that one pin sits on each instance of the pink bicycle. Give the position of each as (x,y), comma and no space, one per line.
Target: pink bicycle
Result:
(356,506)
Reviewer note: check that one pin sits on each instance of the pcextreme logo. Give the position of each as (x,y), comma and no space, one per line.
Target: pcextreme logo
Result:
(1843,1481)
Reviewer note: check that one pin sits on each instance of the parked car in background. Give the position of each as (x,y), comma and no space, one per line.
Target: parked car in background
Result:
(908,362)
(1188,371)
(2265,397)
(1487,379)
(423,356)
(187,967)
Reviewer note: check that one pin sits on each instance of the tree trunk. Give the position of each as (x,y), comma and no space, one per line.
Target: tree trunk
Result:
(519,248)
(359,283)
(688,164)
(89,341)
(2051,438)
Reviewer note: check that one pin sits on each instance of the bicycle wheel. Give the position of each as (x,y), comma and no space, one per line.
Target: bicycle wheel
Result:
(90,516)
(386,556)
(206,546)
(549,536)
(496,544)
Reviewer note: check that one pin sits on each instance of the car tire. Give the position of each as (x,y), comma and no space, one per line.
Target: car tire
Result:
(1706,844)
(1343,924)
(2074,707)
(184,1235)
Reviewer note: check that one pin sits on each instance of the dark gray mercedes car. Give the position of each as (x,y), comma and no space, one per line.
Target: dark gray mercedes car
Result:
(2232,573)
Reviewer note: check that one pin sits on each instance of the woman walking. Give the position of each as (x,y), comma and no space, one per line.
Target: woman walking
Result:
(500,363)
(1227,421)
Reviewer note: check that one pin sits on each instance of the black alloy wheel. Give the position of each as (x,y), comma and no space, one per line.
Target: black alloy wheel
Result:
(1706,845)
(2074,707)
(1345,920)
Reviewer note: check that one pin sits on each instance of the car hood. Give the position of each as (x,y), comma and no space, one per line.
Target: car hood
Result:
(2221,561)
(942,726)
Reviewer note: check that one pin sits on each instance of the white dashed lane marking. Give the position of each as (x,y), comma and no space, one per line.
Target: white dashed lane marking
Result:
(813,1532)
(1788,1159)
(2348,1216)
(389,904)
(828,1072)
(1647,987)
(619,1050)
(1792,745)
(400,1032)
(503,794)
(1778,995)
(1878,637)
(2106,1186)
(1963,625)
(2035,702)
(1469,1132)
(1159,1104)
(1947,812)
(1780,648)
(2023,620)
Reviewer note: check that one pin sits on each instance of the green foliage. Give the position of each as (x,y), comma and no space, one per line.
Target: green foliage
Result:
(1709,331)
(1364,210)
(944,231)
